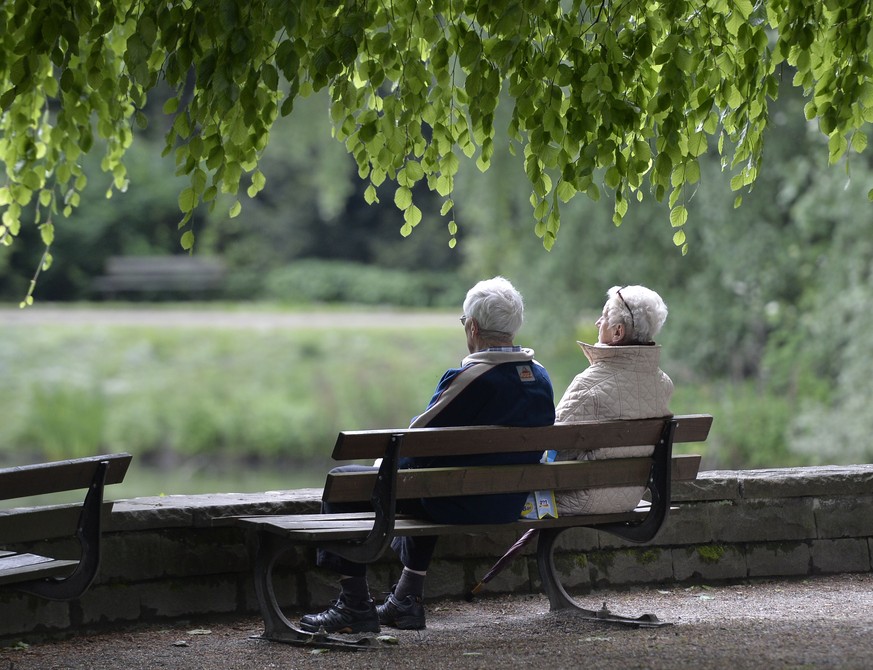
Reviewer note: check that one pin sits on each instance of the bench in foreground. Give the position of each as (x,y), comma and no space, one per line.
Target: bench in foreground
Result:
(363,537)
(46,576)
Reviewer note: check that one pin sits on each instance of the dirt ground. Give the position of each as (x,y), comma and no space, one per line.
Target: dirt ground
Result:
(822,622)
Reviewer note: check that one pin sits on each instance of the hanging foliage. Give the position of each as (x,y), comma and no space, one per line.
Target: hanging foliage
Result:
(621,97)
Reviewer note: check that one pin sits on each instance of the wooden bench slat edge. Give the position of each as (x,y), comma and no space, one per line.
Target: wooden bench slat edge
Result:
(17,568)
(371,444)
(316,530)
(439,482)
(55,476)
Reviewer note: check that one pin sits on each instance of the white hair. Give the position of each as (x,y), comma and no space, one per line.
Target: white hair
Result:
(641,311)
(496,306)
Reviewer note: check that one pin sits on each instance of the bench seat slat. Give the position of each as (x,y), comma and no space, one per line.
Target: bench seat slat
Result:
(22,567)
(465,440)
(298,528)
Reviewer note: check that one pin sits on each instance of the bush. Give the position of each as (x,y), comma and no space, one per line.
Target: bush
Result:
(309,281)
(749,428)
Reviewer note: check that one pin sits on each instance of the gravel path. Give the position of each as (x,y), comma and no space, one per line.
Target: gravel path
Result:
(814,623)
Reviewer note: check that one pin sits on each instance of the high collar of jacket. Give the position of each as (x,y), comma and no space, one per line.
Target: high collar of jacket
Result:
(498,357)
(631,357)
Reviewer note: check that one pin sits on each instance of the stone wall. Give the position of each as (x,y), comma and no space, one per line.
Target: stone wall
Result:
(167,558)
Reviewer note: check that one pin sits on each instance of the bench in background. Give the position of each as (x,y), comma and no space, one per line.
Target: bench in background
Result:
(363,537)
(46,576)
(161,274)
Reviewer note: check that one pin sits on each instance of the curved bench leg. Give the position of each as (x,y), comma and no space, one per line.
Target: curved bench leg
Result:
(277,627)
(88,534)
(559,599)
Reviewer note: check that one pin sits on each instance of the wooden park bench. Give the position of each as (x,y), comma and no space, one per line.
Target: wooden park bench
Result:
(160,274)
(55,578)
(363,537)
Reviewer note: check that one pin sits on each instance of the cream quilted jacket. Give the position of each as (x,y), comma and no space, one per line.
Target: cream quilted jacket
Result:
(622,382)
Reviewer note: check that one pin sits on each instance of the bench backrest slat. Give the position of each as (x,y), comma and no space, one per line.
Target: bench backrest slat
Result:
(31,480)
(371,444)
(438,482)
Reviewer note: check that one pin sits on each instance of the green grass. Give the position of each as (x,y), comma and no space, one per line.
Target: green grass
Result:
(206,398)
(245,409)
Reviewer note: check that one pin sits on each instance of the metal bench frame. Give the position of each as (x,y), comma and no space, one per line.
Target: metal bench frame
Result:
(363,538)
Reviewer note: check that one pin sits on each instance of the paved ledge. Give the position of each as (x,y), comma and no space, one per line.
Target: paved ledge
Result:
(171,557)
(200,511)
(777,483)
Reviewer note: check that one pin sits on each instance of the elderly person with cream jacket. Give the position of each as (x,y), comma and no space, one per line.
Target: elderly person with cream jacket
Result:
(623,381)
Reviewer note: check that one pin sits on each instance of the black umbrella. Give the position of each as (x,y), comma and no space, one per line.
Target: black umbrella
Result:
(501,563)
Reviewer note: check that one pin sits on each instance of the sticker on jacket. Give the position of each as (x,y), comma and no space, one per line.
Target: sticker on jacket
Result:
(525,373)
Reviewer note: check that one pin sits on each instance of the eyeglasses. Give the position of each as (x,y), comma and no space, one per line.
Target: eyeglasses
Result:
(464,319)
(624,302)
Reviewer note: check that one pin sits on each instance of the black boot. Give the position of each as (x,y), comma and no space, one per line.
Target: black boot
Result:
(343,617)
(406,613)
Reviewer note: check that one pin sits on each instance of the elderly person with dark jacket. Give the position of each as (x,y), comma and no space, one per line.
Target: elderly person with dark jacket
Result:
(623,381)
(499,383)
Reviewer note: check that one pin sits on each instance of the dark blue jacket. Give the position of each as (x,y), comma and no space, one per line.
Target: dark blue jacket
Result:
(491,388)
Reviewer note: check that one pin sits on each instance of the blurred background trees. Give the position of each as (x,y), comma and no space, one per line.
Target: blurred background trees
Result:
(769,310)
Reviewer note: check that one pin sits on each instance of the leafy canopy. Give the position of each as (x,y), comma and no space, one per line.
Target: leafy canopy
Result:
(617,96)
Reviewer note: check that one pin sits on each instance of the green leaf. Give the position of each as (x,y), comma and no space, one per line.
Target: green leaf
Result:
(187,240)
(370,195)
(402,197)
(31,180)
(697,145)
(198,181)
(270,76)
(678,216)
(565,191)
(258,180)
(737,182)
(47,233)
(187,199)
(837,146)
(450,164)
(412,215)
(444,185)
(228,14)
(136,57)
(414,171)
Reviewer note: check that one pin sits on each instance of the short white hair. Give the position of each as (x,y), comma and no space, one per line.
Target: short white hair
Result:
(640,310)
(496,305)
